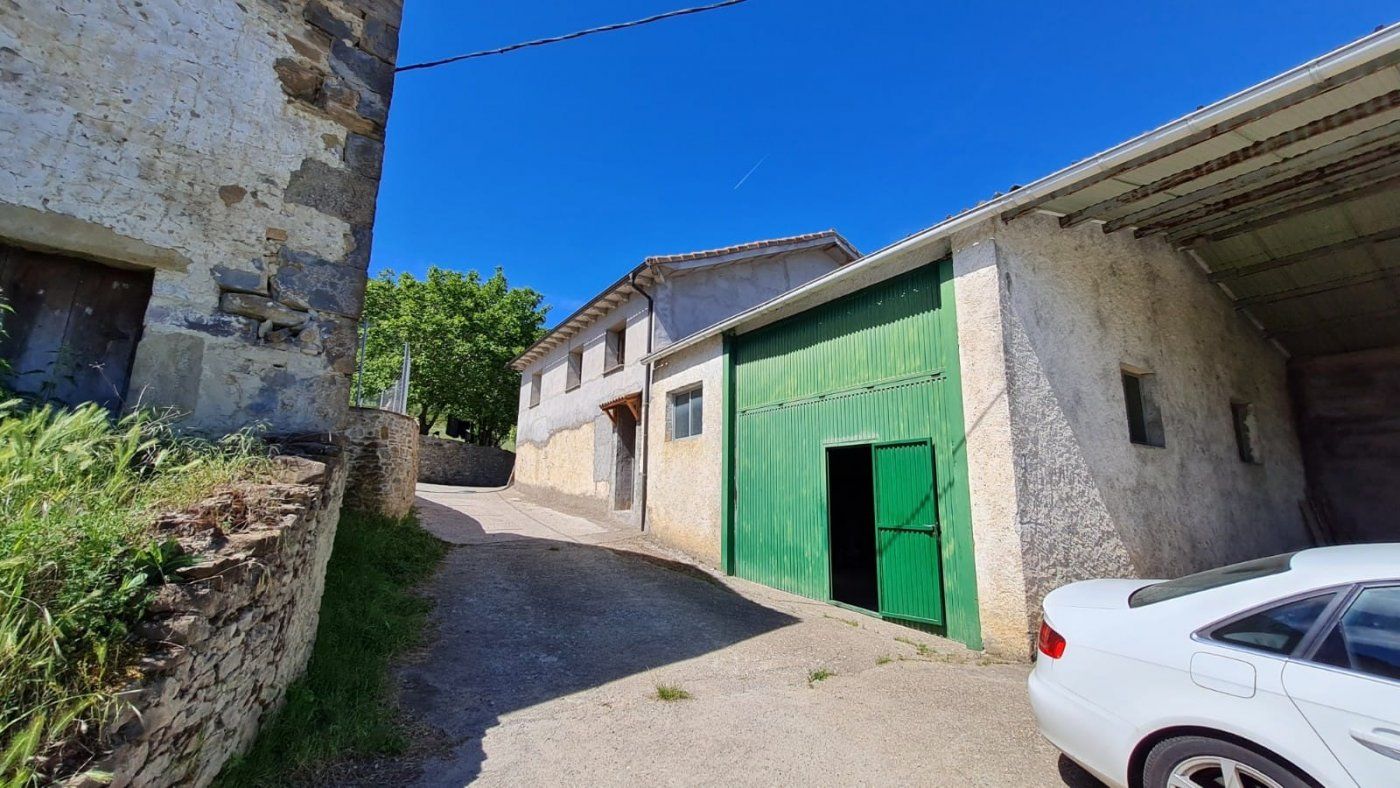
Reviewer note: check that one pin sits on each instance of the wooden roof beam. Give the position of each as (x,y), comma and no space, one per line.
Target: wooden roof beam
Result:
(1376,158)
(1317,288)
(1276,211)
(1211,132)
(1337,120)
(1227,274)
(1323,155)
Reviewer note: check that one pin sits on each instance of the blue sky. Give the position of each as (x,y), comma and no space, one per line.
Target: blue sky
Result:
(568,164)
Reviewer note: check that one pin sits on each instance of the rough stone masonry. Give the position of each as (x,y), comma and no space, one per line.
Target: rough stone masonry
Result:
(231,147)
(226,642)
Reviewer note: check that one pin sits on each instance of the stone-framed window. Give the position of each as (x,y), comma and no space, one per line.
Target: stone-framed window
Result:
(686,416)
(615,350)
(1246,431)
(1144,413)
(574,372)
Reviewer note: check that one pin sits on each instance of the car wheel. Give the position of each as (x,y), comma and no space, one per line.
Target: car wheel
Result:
(1202,762)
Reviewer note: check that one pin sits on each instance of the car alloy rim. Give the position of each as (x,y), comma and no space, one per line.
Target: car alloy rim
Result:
(1214,771)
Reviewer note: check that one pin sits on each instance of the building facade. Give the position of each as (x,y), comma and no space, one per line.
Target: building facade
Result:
(189,191)
(1169,357)
(592,415)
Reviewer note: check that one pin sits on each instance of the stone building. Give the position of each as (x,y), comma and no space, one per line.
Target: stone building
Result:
(1176,354)
(187,190)
(587,409)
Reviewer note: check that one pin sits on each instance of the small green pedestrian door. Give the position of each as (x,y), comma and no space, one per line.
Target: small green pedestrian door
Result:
(906,532)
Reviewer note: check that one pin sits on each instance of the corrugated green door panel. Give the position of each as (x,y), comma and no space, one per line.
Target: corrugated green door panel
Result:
(906,528)
(885,332)
(877,366)
(781,534)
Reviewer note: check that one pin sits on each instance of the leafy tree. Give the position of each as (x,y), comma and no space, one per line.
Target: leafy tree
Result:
(462,331)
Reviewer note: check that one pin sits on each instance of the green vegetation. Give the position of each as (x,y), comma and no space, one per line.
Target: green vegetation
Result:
(340,708)
(884,659)
(670,692)
(463,331)
(848,622)
(820,674)
(79,495)
(924,649)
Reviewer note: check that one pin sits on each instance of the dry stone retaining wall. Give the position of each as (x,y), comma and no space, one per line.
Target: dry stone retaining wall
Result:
(446,461)
(227,642)
(383,454)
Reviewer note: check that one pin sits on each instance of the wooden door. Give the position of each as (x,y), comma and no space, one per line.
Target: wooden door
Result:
(72,334)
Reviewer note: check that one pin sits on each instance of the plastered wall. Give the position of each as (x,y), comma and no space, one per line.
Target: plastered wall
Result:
(232,147)
(565,448)
(1074,306)
(683,498)
(691,298)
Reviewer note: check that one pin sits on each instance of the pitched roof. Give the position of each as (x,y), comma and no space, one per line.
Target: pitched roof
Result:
(1302,167)
(644,275)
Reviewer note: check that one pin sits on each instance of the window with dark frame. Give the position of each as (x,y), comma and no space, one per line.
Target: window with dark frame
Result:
(1246,431)
(575,370)
(687,413)
(1366,638)
(1276,630)
(536,381)
(1144,415)
(616,350)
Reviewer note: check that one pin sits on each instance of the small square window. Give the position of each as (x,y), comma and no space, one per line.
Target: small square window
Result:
(616,351)
(575,371)
(535,385)
(687,413)
(1144,415)
(1246,431)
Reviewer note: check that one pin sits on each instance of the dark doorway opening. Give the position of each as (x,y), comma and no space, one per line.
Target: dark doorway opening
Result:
(850,492)
(625,425)
(73,331)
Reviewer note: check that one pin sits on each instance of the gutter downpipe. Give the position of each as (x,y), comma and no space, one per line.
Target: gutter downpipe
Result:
(646,397)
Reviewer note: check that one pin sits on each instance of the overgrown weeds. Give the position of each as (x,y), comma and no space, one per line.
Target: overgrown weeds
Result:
(670,692)
(820,674)
(341,708)
(79,494)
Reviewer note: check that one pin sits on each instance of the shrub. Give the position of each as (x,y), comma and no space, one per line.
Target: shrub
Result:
(79,493)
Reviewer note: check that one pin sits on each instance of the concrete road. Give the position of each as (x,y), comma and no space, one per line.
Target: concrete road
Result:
(552,634)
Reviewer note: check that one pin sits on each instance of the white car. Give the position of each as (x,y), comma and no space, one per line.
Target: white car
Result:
(1280,672)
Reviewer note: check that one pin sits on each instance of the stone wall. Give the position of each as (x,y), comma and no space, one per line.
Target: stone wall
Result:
(382,450)
(1048,319)
(1350,428)
(226,643)
(233,148)
(446,461)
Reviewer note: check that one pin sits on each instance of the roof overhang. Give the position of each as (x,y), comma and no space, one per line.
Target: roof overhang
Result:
(651,269)
(1286,192)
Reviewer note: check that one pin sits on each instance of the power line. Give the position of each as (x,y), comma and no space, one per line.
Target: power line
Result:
(570,36)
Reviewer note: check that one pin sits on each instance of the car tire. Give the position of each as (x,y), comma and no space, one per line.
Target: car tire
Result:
(1205,754)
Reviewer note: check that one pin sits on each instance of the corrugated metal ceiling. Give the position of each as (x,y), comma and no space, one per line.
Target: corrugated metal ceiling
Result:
(1296,213)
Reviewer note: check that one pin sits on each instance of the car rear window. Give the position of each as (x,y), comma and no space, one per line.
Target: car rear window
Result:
(1211,578)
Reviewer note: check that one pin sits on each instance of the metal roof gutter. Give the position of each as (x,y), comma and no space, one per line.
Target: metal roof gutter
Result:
(1377,44)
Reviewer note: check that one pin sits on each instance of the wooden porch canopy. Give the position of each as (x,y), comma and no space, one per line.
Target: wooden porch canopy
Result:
(1292,207)
(632,402)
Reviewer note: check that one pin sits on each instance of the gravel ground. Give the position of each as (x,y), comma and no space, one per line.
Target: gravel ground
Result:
(551,637)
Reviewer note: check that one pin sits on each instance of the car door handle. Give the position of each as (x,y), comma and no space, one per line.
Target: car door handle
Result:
(1382,740)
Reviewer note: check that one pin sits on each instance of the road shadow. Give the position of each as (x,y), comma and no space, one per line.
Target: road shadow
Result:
(524,620)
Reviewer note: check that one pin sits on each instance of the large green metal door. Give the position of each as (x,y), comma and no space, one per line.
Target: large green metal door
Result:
(906,532)
(875,367)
